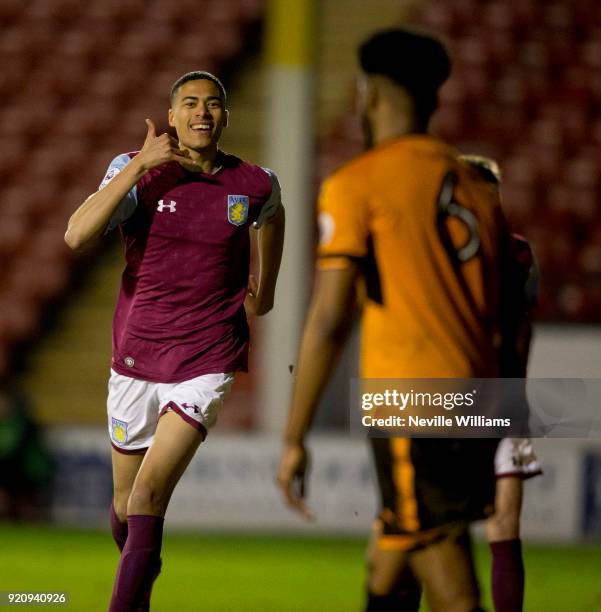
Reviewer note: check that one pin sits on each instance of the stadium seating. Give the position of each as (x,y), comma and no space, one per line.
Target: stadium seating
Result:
(77,81)
(526,89)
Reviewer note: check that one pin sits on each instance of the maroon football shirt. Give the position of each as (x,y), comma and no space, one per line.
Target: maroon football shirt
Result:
(180,311)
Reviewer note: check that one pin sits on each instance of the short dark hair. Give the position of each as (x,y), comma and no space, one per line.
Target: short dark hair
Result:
(197,75)
(416,61)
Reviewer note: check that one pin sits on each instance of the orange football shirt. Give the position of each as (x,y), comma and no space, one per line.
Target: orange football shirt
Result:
(425,315)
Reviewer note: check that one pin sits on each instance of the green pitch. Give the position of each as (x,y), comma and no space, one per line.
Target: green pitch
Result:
(248,573)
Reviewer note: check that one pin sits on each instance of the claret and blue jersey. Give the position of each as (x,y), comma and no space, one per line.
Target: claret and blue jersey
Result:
(180,312)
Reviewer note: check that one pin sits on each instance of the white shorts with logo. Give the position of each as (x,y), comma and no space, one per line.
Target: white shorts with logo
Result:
(516,457)
(135,406)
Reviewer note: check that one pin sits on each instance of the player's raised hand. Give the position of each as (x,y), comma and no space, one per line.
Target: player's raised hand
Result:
(291,479)
(158,150)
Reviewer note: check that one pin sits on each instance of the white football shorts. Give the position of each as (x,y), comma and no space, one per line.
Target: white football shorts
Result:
(135,406)
(516,457)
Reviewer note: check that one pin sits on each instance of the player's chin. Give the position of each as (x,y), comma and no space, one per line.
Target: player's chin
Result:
(201,142)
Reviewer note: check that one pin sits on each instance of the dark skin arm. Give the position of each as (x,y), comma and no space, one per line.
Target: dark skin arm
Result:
(326,330)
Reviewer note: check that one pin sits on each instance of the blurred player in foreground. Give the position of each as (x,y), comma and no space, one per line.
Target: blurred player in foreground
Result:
(515,460)
(394,215)
(180,332)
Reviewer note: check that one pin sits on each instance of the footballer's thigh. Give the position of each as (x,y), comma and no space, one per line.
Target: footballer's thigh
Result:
(386,569)
(187,410)
(446,570)
(125,470)
(386,565)
(174,445)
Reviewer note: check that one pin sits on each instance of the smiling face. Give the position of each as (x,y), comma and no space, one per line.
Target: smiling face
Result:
(198,115)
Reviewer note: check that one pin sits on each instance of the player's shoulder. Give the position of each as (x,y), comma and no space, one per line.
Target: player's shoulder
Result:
(259,179)
(116,165)
(350,175)
(403,151)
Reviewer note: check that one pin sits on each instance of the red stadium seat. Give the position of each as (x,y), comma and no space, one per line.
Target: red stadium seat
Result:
(473,52)
(466,12)
(535,55)
(92,121)
(145,47)
(512,90)
(591,53)
(60,10)
(440,18)
(13,154)
(12,235)
(520,171)
(82,45)
(584,172)
(558,17)
(19,316)
(121,11)
(11,78)
(10,11)
(251,10)
(18,202)
(36,199)
(448,122)
(500,16)
(453,92)
(518,203)
(478,85)
(576,90)
(112,85)
(65,76)
(539,88)
(548,131)
(36,277)
(502,48)
(585,205)
(589,258)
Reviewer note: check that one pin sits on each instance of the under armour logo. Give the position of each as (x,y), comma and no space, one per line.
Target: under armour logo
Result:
(193,407)
(161,206)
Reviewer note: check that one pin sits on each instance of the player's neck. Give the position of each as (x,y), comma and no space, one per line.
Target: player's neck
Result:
(395,127)
(206,160)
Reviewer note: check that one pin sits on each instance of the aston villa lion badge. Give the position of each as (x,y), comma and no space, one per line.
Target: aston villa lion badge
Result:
(237,209)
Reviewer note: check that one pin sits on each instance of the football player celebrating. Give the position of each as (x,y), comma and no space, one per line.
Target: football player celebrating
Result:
(184,208)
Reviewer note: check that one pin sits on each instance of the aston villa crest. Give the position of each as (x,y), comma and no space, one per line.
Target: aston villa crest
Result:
(237,209)
(119,431)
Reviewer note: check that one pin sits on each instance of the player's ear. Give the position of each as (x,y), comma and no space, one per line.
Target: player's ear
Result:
(170,118)
(227,117)
(366,92)
(372,93)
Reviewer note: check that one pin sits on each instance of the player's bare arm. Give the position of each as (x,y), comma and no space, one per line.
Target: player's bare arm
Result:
(92,217)
(325,333)
(270,243)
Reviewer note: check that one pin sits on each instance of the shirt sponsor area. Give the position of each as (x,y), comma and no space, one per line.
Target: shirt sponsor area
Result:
(230,485)
(476,407)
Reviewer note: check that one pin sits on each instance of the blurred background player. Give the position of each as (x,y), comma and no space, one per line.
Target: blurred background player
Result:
(432,310)
(26,469)
(515,460)
(179,333)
